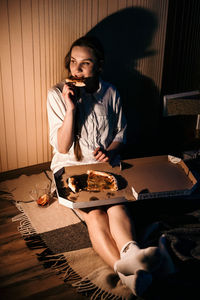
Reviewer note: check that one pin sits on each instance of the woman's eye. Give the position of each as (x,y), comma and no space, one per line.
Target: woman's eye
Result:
(72,62)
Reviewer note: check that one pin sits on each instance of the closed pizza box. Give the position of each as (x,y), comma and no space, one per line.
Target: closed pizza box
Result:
(141,178)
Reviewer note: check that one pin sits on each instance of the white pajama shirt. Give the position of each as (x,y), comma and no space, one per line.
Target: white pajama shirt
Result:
(100,122)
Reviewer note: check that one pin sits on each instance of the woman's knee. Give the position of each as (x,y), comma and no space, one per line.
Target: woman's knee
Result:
(117,210)
(95,216)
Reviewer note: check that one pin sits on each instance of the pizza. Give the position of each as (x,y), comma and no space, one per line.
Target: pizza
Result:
(74,184)
(94,181)
(77,81)
(101,181)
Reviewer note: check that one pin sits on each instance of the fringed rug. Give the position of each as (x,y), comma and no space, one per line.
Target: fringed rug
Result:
(65,245)
(65,238)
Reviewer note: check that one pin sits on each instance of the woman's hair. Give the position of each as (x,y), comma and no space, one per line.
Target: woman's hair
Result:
(92,43)
(98,52)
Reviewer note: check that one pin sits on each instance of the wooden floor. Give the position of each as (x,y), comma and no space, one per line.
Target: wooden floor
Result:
(21,275)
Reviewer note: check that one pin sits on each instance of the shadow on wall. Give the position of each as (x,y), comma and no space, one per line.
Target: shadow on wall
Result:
(126,37)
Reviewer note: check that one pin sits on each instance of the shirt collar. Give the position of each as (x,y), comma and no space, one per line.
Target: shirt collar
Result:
(99,93)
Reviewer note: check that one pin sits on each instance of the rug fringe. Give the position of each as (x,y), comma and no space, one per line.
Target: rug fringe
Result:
(99,294)
(103,295)
(33,240)
(25,227)
(19,207)
(85,285)
(29,234)
(59,264)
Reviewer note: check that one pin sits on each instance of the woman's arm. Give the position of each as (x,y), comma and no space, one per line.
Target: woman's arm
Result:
(65,134)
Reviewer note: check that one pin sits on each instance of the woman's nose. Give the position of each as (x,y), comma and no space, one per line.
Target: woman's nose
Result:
(79,68)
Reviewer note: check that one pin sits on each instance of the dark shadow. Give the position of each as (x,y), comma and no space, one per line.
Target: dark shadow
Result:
(126,37)
(122,182)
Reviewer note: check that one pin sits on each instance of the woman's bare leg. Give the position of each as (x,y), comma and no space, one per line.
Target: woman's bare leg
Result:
(109,230)
(134,267)
(121,227)
(100,236)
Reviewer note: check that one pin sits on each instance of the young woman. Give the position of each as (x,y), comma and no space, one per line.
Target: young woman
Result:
(87,125)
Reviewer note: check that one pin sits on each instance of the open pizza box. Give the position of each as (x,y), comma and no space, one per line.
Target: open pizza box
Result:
(142,178)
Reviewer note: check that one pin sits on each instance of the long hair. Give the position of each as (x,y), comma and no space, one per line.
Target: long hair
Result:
(98,52)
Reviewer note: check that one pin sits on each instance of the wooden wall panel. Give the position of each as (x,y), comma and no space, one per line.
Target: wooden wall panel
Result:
(16,156)
(94,9)
(8,137)
(102,11)
(37,79)
(35,37)
(3,156)
(28,83)
(32,51)
(152,65)
(113,6)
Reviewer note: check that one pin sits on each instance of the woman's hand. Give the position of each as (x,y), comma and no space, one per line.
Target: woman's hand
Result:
(101,155)
(109,154)
(69,94)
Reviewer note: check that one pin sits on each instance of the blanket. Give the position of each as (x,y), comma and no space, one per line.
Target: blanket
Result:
(63,239)
(65,244)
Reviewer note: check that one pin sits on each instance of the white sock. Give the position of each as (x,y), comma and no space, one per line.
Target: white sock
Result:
(133,258)
(137,283)
(129,246)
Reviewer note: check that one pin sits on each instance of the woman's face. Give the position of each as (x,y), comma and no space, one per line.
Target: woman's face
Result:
(83,62)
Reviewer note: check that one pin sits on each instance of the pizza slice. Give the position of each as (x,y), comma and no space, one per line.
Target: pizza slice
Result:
(101,181)
(93,181)
(77,81)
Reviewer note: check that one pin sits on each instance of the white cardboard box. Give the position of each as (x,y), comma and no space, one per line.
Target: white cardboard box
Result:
(142,178)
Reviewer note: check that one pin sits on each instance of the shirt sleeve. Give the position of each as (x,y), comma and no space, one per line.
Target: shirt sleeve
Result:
(121,124)
(56,110)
